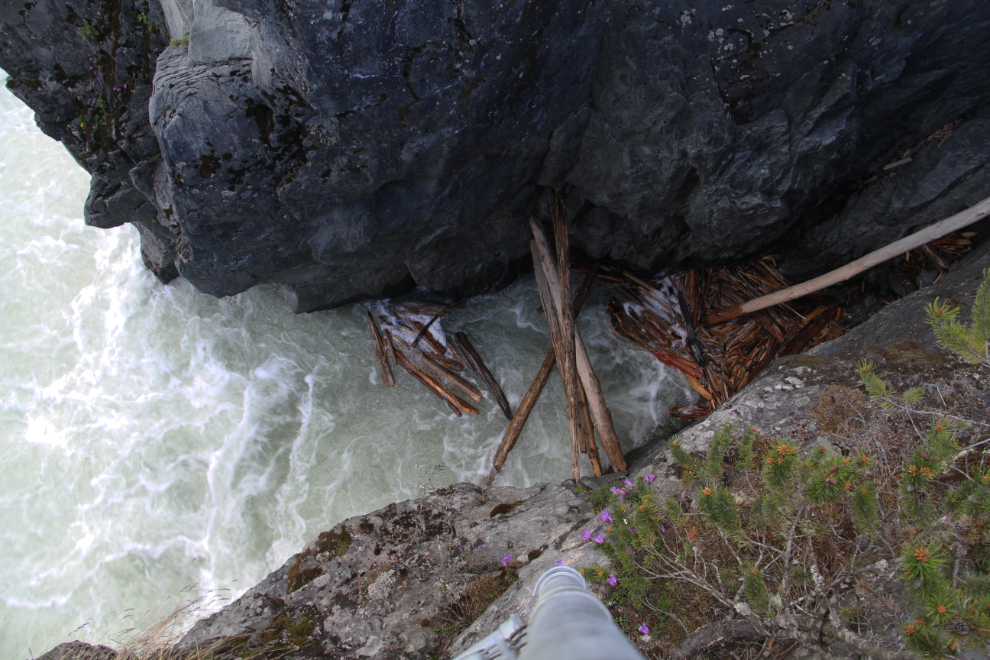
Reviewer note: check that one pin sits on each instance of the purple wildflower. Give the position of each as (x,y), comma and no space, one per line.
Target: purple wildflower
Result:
(645,629)
(612,580)
(628,483)
(598,538)
(560,562)
(663,528)
(649,478)
(586,534)
(618,491)
(632,529)
(606,516)
(505,560)
(630,550)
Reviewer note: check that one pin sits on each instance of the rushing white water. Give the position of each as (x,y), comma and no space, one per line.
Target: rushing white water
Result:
(153,438)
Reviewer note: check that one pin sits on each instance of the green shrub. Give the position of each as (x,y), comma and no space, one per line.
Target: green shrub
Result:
(971,343)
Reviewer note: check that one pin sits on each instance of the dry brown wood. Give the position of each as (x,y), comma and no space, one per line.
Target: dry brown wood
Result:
(391,347)
(596,399)
(578,432)
(698,387)
(387,377)
(457,404)
(593,457)
(450,362)
(674,360)
(529,400)
(567,318)
(419,308)
(481,371)
(422,332)
(937,230)
(451,379)
(689,412)
(562,303)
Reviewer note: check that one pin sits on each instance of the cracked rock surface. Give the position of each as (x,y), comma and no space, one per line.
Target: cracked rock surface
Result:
(377,585)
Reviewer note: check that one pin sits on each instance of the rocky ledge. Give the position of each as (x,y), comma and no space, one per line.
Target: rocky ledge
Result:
(355,149)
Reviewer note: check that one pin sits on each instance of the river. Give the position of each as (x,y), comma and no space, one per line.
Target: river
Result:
(158,444)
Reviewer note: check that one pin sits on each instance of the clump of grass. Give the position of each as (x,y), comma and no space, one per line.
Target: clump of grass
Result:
(158,641)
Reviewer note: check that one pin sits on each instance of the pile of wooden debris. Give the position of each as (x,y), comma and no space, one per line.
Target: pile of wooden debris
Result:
(718,326)
(670,318)
(413,338)
(667,319)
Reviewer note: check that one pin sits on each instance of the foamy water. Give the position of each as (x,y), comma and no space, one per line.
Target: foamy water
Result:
(155,441)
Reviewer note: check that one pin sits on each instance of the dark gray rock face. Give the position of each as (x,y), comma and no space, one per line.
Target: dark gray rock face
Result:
(353,150)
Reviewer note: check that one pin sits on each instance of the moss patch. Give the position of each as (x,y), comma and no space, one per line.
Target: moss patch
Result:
(838,406)
(296,631)
(328,544)
(334,543)
(298,576)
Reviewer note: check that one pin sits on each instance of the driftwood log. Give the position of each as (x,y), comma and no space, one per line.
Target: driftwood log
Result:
(580,432)
(926,235)
(596,399)
(387,377)
(418,371)
(477,365)
(535,389)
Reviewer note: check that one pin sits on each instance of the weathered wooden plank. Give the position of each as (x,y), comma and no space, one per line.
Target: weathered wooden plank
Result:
(387,377)
(478,367)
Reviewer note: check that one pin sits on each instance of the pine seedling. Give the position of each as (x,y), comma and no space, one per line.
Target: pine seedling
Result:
(971,343)
(755,588)
(923,564)
(719,507)
(972,497)
(878,390)
(712,467)
(690,466)
(779,466)
(745,453)
(924,639)
(864,502)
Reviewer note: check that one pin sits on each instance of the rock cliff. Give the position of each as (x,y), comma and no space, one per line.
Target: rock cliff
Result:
(355,149)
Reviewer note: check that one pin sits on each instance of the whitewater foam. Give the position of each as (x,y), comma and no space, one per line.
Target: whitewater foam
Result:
(153,438)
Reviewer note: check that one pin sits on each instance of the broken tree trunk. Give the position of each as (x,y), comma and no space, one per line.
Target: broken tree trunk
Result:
(926,235)
(534,391)
(387,377)
(596,399)
(478,367)
(568,324)
(565,314)
(579,432)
